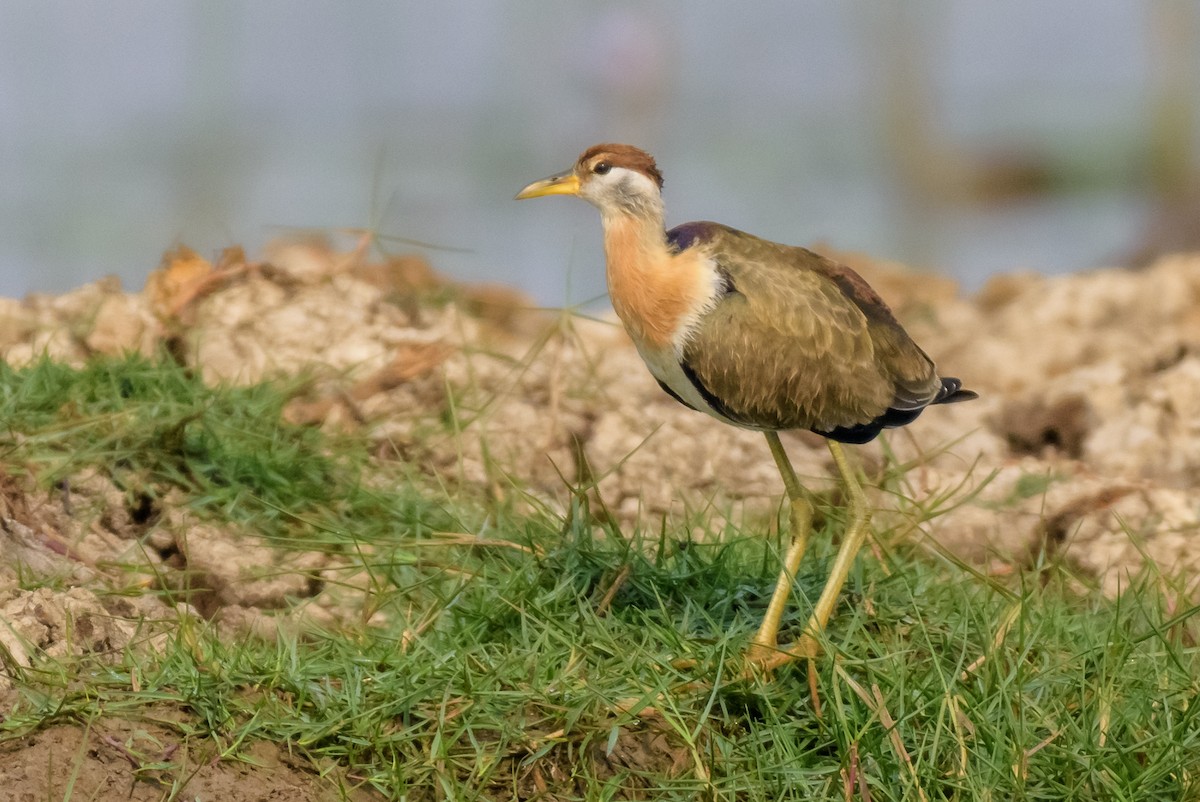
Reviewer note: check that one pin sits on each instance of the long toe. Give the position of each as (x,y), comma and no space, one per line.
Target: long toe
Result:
(759,660)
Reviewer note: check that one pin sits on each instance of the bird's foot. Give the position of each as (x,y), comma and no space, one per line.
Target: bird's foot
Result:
(761,659)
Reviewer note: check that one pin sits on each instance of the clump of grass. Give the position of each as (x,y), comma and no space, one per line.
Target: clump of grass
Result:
(952,689)
(154,425)
(536,656)
(225,445)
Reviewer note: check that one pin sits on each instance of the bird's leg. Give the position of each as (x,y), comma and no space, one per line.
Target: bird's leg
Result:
(856,533)
(765,644)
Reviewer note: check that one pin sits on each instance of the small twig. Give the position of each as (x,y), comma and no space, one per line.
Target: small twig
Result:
(1042,744)
(963,728)
(611,593)
(534,744)
(848,777)
(814,692)
(1021,767)
(885,718)
(874,700)
(852,776)
(467,539)
(997,640)
(123,750)
(1105,716)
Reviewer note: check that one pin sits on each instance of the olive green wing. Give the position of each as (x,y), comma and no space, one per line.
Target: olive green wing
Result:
(799,341)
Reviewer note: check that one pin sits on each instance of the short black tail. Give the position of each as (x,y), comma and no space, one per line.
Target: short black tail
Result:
(951,393)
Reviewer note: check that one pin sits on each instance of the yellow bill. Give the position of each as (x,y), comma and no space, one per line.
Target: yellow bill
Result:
(562,184)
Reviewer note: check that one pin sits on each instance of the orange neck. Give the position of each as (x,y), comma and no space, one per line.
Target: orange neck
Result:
(655,292)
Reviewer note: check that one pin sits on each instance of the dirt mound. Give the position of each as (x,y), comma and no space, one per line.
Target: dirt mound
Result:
(1086,437)
(1085,443)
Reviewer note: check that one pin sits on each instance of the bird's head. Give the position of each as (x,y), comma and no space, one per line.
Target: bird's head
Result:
(618,179)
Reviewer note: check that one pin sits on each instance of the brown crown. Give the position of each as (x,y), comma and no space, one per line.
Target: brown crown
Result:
(626,156)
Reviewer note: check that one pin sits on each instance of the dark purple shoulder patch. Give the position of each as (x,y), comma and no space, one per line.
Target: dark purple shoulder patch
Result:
(684,236)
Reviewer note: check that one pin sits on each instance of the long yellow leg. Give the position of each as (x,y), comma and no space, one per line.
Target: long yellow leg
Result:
(760,652)
(765,644)
(852,541)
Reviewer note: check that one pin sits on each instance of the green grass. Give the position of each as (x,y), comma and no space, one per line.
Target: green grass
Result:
(538,654)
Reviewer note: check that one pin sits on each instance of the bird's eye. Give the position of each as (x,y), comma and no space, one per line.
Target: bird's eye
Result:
(602,168)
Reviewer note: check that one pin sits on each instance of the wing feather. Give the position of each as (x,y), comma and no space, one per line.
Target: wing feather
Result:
(800,341)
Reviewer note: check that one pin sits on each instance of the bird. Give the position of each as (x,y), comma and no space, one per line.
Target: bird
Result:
(761,336)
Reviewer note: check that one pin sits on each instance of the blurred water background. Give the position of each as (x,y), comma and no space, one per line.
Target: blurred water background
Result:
(962,136)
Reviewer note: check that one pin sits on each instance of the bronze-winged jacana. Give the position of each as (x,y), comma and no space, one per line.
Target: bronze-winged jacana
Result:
(757,335)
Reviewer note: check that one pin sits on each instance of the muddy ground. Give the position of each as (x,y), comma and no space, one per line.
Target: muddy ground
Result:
(1085,441)
(127,760)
